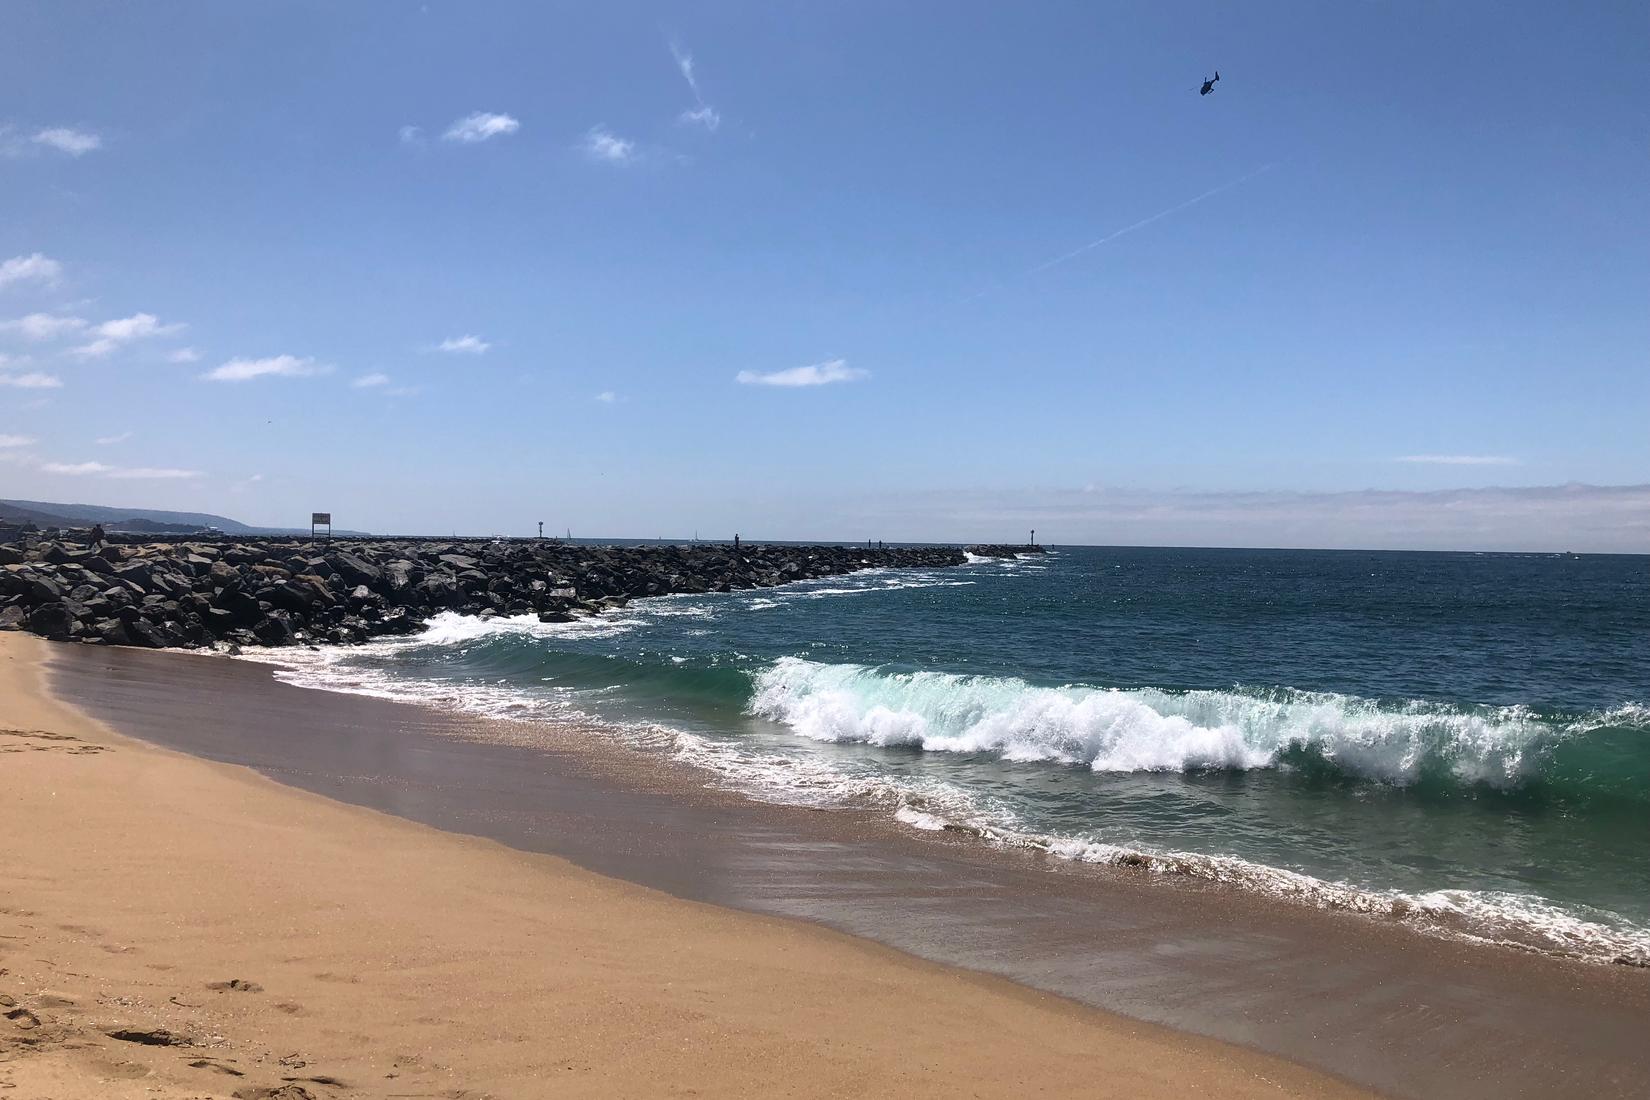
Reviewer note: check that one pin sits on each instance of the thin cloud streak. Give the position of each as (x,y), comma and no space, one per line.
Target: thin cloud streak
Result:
(118,473)
(112,335)
(1460,460)
(64,140)
(815,374)
(275,366)
(1550,518)
(34,380)
(40,327)
(703,114)
(1066,257)
(480,126)
(469,344)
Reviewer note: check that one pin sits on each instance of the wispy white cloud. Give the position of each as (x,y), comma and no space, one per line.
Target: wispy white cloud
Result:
(604,145)
(371,381)
(183,355)
(1461,460)
(136,327)
(464,345)
(701,116)
(702,113)
(111,440)
(607,397)
(39,327)
(480,126)
(120,473)
(35,268)
(275,366)
(151,473)
(34,380)
(410,135)
(815,374)
(246,483)
(15,440)
(75,469)
(111,335)
(64,140)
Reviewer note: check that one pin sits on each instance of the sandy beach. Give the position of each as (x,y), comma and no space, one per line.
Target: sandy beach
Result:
(174,927)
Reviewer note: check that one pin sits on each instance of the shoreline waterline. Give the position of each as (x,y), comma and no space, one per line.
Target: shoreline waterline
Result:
(189,927)
(1185,955)
(1386,746)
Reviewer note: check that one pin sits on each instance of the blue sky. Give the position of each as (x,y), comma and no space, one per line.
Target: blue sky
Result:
(1400,248)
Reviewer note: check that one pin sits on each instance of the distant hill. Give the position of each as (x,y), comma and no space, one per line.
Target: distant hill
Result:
(137,520)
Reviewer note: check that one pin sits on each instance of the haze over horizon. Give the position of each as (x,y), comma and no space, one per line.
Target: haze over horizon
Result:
(947,272)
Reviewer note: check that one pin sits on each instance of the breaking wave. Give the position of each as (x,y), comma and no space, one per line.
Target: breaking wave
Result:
(1153,730)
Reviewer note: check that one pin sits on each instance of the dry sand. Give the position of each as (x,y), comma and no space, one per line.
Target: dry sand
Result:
(177,928)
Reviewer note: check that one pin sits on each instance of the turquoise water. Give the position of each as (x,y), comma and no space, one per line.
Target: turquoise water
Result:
(1460,740)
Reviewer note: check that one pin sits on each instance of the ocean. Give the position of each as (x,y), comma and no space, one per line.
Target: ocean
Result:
(1457,741)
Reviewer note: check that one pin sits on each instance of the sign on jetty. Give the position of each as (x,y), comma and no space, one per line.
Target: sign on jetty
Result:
(293,591)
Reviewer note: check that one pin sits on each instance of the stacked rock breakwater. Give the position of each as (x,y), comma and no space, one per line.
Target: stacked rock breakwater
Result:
(285,592)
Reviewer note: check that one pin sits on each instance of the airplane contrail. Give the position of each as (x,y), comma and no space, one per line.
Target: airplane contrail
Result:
(1141,224)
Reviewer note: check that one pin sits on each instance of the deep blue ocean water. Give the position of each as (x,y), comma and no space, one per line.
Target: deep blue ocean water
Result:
(1462,740)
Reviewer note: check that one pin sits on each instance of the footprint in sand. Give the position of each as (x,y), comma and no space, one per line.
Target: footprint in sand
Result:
(215,1067)
(15,740)
(23,1018)
(279,1092)
(238,985)
(150,1037)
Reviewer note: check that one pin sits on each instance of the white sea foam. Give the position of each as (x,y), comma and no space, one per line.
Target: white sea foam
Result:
(1103,729)
(449,628)
(1143,730)
(1517,920)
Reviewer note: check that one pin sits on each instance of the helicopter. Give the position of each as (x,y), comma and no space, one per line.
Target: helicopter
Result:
(1209,85)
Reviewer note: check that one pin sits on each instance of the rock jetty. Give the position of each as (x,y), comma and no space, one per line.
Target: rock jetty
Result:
(240,592)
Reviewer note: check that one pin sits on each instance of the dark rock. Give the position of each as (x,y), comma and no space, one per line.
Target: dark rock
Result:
(274,629)
(52,620)
(37,588)
(354,569)
(112,631)
(138,572)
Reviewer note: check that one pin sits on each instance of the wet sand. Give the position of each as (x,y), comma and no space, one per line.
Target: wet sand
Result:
(1360,998)
(173,927)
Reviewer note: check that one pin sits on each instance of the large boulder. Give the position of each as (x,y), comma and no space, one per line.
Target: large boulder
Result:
(240,605)
(354,569)
(440,590)
(274,629)
(53,620)
(39,588)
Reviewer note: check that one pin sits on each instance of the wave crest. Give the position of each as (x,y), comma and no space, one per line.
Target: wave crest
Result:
(1147,729)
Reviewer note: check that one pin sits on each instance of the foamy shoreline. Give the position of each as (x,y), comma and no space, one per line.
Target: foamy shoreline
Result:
(1523,923)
